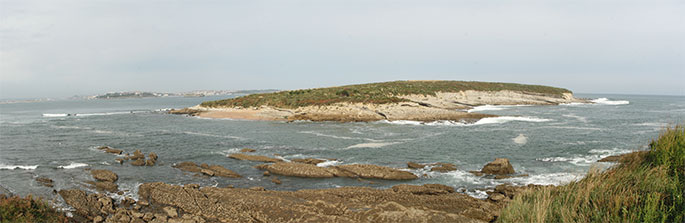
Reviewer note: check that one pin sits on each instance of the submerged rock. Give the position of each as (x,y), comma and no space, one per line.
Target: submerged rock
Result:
(240,156)
(45,181)
(247,150)
(444,167)
(108,149)
(498,167)
(413,165)
(104,175)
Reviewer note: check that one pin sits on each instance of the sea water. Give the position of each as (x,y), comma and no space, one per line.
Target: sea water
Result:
(551,144)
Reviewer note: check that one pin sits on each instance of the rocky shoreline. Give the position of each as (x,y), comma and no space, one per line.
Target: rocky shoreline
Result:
(163,202)
(424,108)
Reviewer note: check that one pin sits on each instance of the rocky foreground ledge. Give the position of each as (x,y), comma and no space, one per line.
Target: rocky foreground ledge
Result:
(160,202)
(400,100)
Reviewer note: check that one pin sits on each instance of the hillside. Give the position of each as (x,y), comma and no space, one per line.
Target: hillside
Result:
(375,93)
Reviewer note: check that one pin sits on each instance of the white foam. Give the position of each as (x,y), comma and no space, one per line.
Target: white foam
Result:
(573,104)
(606,101)
(372,145)
(326,135)
(14,167)
(483,121)
(586,160)
(212,135)
(579,118)
(73,165)
(493,107)
(546,179)
(103,113)
(329,163)
(521,139)
(55,115)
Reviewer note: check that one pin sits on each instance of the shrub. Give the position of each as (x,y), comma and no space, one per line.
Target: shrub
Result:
(17,209)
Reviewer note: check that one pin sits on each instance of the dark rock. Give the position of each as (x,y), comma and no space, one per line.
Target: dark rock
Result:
(444,167)
(104,175)
(498,167)
(413,165)
(45,181)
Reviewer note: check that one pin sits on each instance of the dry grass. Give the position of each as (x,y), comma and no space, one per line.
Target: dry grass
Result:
(645,187)
(29,209)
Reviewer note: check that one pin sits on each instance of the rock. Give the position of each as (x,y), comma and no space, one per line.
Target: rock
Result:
(376,172)
(170,211)
(499,177)
(266,173)
(309,161)
(413,165)
(149,162)
(622,157)
(119,160)
(213,170)
(497,197)
(297,170)
(276,180)
(138,162)
(45,181)
(108,149)
(152,156)
(423,190)
(223,172)
(498,167)
(104,175)
(104,186)
(240,156)
(207,172)
(257,188)
(444,167)
(247,150)
(346,204)
(84,204)
(98,219)
(137,155)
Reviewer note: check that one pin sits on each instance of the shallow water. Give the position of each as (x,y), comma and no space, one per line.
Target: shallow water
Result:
(553,144)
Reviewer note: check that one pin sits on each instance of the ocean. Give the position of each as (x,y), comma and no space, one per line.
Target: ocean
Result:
(552,144)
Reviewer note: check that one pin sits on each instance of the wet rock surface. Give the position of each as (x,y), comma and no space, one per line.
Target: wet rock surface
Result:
(498,167)
(353,170)
(209,170)
(443,167)
(104,175)
(47,182)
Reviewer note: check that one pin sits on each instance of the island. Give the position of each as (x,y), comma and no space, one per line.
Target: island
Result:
(397,100)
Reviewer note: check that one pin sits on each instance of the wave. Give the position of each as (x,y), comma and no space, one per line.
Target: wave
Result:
(73,165)
(579,118)
(103,113)
(493,107)
(55,115)
(326,135)
(212,135)
(483,121)
(606,101)
(521,139)
(14,167)
(586,160)
(372,145)
(329,163)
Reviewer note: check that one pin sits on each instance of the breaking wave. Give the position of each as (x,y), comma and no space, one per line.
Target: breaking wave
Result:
(493,107)
(586,160)
(372,145)
(73,165)
(14,167)
(55,115)
(606,101)
(483,121)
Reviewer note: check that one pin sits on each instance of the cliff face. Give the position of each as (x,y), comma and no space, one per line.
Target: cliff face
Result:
(405,100)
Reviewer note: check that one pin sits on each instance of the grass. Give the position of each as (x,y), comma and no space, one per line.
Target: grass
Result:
(644,187)
(17,209)
(374,93)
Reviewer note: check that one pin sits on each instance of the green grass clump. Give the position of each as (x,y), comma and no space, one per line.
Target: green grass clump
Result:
(644,187)
(17,209)
(374,93)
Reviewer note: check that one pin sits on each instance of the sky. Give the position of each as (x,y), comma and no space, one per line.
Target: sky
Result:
(86,47)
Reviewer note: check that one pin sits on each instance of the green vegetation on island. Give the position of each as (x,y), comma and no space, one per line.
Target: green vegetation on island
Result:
(374,93)
(644,187)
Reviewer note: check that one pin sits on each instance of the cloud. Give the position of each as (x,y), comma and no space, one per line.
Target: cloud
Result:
(84,47)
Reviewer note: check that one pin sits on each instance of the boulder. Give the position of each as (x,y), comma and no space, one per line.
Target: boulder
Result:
(152,156)
(247,150)
(119,160)
(47,182)
(413,165)
(276,180)
(240,156)
(84,204)
(104,175)
(207,172)
(444,167)
(138,162)
(498,167)
(170,211)
(137,155)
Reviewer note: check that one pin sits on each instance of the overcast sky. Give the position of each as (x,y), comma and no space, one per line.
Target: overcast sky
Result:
(64,48)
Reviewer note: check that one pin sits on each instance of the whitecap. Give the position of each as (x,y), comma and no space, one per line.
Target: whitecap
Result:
(14,167)
(329,163)
(55,115)
(606,101)
(493,107)
(372,145)
(579,118)
(521,139)
(73,165)
(103,113)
